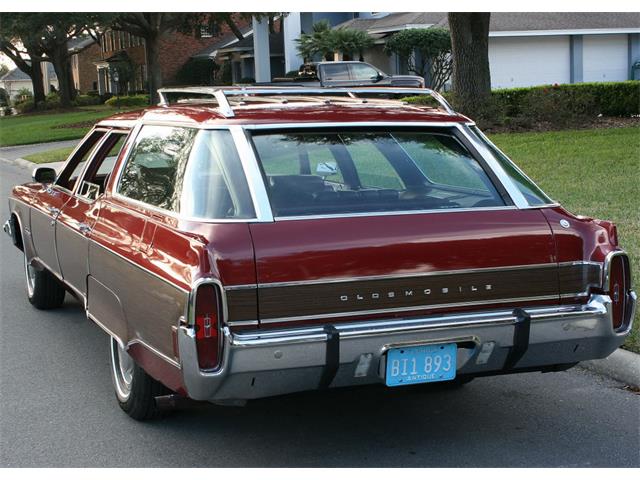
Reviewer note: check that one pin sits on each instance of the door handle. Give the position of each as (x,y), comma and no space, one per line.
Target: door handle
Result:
(84,228)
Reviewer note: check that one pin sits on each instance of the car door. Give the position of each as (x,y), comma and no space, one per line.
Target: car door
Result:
(391,223)
(78,215)
(49,201)
(364,75)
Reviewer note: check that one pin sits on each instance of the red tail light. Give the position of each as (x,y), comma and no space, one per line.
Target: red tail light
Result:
(207,327)
(619,278)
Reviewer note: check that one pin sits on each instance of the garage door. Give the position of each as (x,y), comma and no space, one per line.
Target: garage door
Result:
(528,61)
(605,58)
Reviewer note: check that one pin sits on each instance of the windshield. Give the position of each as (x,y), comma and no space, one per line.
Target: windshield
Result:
(342,172)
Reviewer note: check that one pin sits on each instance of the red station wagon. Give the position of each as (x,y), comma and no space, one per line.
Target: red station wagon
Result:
(242,243)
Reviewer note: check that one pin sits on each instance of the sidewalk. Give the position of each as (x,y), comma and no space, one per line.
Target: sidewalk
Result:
(19,151)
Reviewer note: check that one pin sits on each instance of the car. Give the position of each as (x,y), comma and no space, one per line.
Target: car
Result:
(241,243)
(348,74)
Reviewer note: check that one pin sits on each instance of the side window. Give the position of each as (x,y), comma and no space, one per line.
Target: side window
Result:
(373,168)
(156,165)
(363,72)
(335,72)
(532,193)
(69,175)
(444,161)
(96,176)
(214,184)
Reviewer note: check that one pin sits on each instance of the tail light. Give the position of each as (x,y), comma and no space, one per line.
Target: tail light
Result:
(207,323)
(619,279)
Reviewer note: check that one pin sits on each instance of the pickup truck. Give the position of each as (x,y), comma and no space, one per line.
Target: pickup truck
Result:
(348,74)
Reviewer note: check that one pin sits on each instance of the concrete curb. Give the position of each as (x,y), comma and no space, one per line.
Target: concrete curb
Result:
(621,365)
(21,162)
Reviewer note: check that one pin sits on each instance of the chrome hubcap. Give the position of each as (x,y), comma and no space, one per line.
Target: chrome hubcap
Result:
(122,366)
(30,273)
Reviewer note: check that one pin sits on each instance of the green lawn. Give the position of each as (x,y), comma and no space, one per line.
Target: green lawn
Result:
(50,126)
(57,155)
(591,172)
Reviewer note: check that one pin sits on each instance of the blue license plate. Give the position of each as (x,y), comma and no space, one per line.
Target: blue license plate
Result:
(422,364)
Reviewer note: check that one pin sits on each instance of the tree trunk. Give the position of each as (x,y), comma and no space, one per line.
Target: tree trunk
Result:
(154,72)
(470,51)
(61,66)
(36,81)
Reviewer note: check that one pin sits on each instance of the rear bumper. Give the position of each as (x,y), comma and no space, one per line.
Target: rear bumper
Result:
(266,363)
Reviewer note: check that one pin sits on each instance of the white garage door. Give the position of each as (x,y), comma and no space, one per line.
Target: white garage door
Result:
(528,61)
(605,58)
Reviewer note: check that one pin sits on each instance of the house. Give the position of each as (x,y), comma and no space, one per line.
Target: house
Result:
(531,48)
(176,50)
(16,80)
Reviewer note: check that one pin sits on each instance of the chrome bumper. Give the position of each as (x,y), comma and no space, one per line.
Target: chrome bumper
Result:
(273,362)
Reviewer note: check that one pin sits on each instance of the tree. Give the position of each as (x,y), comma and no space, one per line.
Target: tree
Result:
(325,42)
(350,42)
(153,27)
(16,42)
(316,43)
(424,51)
(46,36)
(470,51)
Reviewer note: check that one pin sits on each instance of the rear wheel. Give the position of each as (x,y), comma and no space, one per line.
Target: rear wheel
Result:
(135,389)
(44,290)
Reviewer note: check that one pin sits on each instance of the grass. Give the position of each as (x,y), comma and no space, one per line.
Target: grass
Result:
(590,172)
(57,155)
(51,126)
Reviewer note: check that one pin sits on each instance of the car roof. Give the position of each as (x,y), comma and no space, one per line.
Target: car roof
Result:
(205,114)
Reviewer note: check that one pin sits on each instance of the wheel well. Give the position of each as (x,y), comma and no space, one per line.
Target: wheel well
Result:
(17,231)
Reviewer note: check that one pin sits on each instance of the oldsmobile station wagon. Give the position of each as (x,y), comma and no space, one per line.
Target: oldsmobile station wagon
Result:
(239,243)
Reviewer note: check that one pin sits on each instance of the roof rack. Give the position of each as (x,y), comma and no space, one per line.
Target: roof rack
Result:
(224,96)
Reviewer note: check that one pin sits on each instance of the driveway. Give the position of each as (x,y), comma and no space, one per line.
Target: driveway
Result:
(19,151)
(58,409)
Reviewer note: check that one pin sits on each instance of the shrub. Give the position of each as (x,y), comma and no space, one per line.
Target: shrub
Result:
(129,101)
(84,100)
(557,104)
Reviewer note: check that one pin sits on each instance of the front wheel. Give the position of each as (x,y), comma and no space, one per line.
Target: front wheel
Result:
(136,391)
(44,290)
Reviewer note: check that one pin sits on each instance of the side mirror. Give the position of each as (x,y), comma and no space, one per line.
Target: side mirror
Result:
(44,175)
(377,77)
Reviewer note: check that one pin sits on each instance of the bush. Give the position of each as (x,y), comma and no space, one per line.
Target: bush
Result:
(557,104)
(129,101)
(84,100)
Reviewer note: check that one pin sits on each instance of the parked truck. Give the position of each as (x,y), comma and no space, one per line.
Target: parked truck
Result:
(348,74)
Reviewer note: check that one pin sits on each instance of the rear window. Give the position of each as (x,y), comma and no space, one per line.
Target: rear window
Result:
(342,172)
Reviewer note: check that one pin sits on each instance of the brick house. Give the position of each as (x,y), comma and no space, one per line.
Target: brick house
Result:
(176,49)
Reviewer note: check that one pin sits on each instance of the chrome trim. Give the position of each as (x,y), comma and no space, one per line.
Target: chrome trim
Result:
(153,274)
(486,139)
(411,275)
(252,172)
(7,228)
(392,213)
(404,309)
(606,280)
(153,350)
(514,192)
(381,123)
(242,323)
(285,360)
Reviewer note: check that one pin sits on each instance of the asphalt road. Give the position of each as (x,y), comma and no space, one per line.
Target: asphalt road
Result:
(57,409)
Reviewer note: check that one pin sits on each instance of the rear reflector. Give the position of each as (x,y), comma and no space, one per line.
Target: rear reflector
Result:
(619,279)
(207,327)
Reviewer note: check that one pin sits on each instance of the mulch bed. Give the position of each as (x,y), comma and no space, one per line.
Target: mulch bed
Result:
(83,124)
(580,124)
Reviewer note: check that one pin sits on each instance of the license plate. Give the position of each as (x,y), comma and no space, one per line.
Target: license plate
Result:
(421,364)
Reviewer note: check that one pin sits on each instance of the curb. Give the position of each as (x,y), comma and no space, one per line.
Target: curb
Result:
(621,365)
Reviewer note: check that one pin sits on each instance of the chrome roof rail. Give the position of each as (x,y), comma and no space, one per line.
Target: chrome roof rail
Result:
(222,95)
